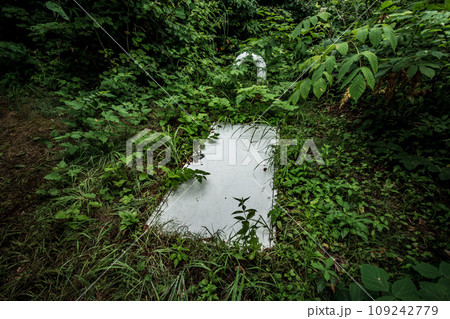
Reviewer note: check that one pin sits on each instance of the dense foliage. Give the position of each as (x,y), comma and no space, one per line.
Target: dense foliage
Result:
(367,80)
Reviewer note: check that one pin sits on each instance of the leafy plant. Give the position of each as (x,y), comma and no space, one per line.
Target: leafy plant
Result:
(370,88)
(376,281)
(247,236)
(178,176)
(73,214)
(178,254)
(325,271)
(365,45)
(128,219)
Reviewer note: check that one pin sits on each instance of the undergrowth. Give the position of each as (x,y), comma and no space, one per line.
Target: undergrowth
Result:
(378,207)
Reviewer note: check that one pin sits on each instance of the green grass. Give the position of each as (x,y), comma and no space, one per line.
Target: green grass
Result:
(375,105)
(57,259)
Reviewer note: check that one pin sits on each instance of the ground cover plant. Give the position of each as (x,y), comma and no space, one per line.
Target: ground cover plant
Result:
(367,81)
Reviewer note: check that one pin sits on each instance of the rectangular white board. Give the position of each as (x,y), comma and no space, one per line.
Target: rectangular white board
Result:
(240,163)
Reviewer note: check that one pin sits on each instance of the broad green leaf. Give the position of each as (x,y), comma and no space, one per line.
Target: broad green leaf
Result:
(369,77)
(400,64)
(342,48)
(324,15)
(404,289)
(438,54)
(318,73)
(57,9)
(312,61)
(385,298)
(62,214)
(357,87)
(361,34)
(433,291)
(374,278)
(343,69)
(62,164)
(330,63)
(328,49)
(53,191)
(329,262)
(349,78)
(356,293)
(373,60)
(390,36)
(317,265)
(375,36)
(313,20)
(53,176)
(67,213)
(427,270)
(295,97)
(385,4)
(444,282)
(444,269)
(426,71)
(412,70)
(329,78)
(411,161)
(305,87)
(95,204)
(297,30)
(306,24)
(319,87)
(434,168)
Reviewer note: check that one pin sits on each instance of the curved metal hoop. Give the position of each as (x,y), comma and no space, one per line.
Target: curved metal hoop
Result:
(259,62)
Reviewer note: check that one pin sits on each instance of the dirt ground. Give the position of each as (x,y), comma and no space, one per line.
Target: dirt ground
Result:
(25,155)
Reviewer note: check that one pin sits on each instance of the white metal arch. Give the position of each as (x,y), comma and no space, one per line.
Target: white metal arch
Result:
(259,62)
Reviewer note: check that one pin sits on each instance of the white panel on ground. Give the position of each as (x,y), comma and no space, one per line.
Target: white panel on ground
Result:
(240,162)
